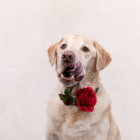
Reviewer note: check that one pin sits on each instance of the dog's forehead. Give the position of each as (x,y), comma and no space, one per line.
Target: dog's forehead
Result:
(77,40)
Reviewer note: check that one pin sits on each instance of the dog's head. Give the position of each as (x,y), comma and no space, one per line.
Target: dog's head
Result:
(75,57)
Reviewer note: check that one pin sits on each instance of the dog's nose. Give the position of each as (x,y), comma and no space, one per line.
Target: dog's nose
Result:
(68,57)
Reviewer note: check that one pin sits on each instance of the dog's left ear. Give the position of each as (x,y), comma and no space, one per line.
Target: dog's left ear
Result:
(52,53)
(103,58)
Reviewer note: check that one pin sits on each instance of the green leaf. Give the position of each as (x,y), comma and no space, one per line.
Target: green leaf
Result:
(63,97)
(67,93)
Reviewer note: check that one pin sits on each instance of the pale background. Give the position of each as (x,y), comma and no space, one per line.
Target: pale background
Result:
(28,27)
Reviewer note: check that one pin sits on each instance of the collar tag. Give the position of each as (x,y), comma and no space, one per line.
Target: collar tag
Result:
(96,90)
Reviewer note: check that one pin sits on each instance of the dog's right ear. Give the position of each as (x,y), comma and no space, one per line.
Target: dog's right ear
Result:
(52,53)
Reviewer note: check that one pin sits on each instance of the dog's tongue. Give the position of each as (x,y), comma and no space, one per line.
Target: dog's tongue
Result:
(77,71)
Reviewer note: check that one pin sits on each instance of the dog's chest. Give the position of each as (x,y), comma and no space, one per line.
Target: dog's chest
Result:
(71,124)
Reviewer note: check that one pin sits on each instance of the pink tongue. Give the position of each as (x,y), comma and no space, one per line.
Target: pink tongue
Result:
(78,71)
(76,66)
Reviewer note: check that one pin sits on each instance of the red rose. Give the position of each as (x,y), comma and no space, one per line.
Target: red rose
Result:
(86,99)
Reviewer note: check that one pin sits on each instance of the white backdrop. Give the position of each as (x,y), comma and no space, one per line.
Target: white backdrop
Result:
(28,27)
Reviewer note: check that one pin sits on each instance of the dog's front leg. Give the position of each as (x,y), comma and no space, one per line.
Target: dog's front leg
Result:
(52,137)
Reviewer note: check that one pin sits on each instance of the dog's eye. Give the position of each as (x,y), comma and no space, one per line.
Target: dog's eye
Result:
(63,46)
(85,49)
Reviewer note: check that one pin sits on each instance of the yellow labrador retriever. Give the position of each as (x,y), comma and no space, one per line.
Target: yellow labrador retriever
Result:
(68,122)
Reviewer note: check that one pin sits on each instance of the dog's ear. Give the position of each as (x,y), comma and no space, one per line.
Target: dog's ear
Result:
(52,53)
(103,58)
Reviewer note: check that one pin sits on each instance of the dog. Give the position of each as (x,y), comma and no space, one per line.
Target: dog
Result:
(68,122)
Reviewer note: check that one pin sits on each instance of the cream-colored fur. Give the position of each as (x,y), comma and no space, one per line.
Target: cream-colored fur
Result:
(68,122)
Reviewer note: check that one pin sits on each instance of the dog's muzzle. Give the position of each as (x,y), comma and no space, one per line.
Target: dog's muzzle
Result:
(72,71)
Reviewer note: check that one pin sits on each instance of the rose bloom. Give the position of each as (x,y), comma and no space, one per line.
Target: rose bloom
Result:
(86,99)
